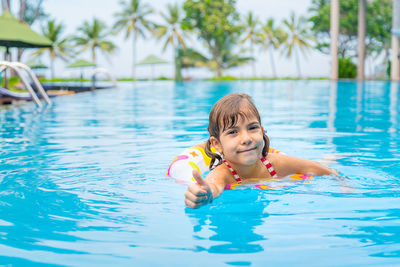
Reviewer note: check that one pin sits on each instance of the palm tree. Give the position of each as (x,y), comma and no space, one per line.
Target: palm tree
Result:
(271,38)
(92,36)
(60,47)
(228,57)
(173,34)
(133,19)
(298,37)
(251,24)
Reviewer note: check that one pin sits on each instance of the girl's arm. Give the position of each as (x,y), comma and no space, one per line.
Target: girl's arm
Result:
(286,165)
(204,191)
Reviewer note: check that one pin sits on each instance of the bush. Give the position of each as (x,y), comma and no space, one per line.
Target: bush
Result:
(223,78)
(12,81)
(347,69)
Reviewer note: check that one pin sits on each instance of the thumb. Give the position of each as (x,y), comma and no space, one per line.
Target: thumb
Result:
(198,178)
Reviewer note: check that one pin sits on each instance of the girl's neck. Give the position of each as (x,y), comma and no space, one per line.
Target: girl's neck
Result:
(247,171)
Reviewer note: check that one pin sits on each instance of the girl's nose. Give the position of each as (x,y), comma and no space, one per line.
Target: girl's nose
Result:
(246,139)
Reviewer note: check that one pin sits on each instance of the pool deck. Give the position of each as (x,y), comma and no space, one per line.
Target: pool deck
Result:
(54,90)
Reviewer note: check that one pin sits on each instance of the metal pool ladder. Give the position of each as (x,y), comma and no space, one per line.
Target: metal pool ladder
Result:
(17,67)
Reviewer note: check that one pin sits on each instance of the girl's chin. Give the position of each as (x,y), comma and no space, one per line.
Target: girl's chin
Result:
(248,161)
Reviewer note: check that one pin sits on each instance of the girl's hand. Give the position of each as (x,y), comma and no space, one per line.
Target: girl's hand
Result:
(199,193)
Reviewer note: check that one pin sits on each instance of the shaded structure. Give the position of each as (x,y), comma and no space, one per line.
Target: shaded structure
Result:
(81,64)
(14,33)
(152,60)
(35,65)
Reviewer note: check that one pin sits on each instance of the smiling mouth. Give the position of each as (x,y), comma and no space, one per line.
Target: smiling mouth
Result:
(247,150)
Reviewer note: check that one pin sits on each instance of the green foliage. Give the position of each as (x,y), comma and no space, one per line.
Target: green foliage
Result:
(271,36)
(93,35)
(61,47)
(173,34)
(162,78)
(389,68)
(232,78)
(126,79)
(379,24)
(223,78)
(347,69)
(12,81)
(133,19)
(34,11)
(299,37)
(298,34)
(251,25)
(217,24)
(190,58)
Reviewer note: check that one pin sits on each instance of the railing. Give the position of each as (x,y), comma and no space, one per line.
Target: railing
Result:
(102,70)
(17,67)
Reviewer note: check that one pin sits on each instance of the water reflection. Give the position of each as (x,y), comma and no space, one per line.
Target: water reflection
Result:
(230,222)
(367,114)
(383,235)
(46,203)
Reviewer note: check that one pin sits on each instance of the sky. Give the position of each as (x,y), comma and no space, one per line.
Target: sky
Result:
(74,12)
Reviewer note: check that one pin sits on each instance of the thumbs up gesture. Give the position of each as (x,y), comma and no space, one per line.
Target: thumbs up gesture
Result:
(198,193)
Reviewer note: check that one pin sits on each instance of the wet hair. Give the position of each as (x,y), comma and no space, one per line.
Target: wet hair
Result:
(225,114)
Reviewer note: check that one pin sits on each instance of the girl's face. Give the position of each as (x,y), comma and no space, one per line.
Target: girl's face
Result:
(241,144)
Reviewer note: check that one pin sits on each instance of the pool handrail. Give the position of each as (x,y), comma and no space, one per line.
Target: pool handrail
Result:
(35,80)
(7,64)
(103,70)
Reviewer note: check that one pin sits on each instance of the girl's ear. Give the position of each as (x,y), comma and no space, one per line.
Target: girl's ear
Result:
(216,144)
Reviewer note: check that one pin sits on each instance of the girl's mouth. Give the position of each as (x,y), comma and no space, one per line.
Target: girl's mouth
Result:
(247,150)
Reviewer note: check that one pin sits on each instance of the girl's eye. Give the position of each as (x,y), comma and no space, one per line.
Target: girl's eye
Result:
(253,127)
(231,132)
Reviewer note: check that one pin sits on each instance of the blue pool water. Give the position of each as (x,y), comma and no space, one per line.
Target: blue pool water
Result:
(83,183)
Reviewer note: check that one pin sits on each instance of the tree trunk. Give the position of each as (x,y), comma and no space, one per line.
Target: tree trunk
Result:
(94,55)
(174,58)
(134,56)
(178,66)
(253,63)
(215,56)
(296,54)
(5,4)
(219,71)
(334,39)
(19,54)
(271,56)
(22,7)
(51,66)
(361,38)
(395,68)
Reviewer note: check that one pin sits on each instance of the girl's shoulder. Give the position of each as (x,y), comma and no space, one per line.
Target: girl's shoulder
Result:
(274,158)
(221,174)
(279,161)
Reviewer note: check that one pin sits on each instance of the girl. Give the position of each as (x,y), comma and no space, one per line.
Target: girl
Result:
(242,152)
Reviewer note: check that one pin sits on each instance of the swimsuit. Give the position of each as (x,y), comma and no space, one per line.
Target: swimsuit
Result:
(267,164)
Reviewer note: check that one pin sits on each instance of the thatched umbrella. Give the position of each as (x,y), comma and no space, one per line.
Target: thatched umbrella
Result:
(152,60)
(81,63)
(14,33)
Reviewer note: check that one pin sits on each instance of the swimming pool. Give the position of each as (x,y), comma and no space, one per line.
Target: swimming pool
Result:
(83,182)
